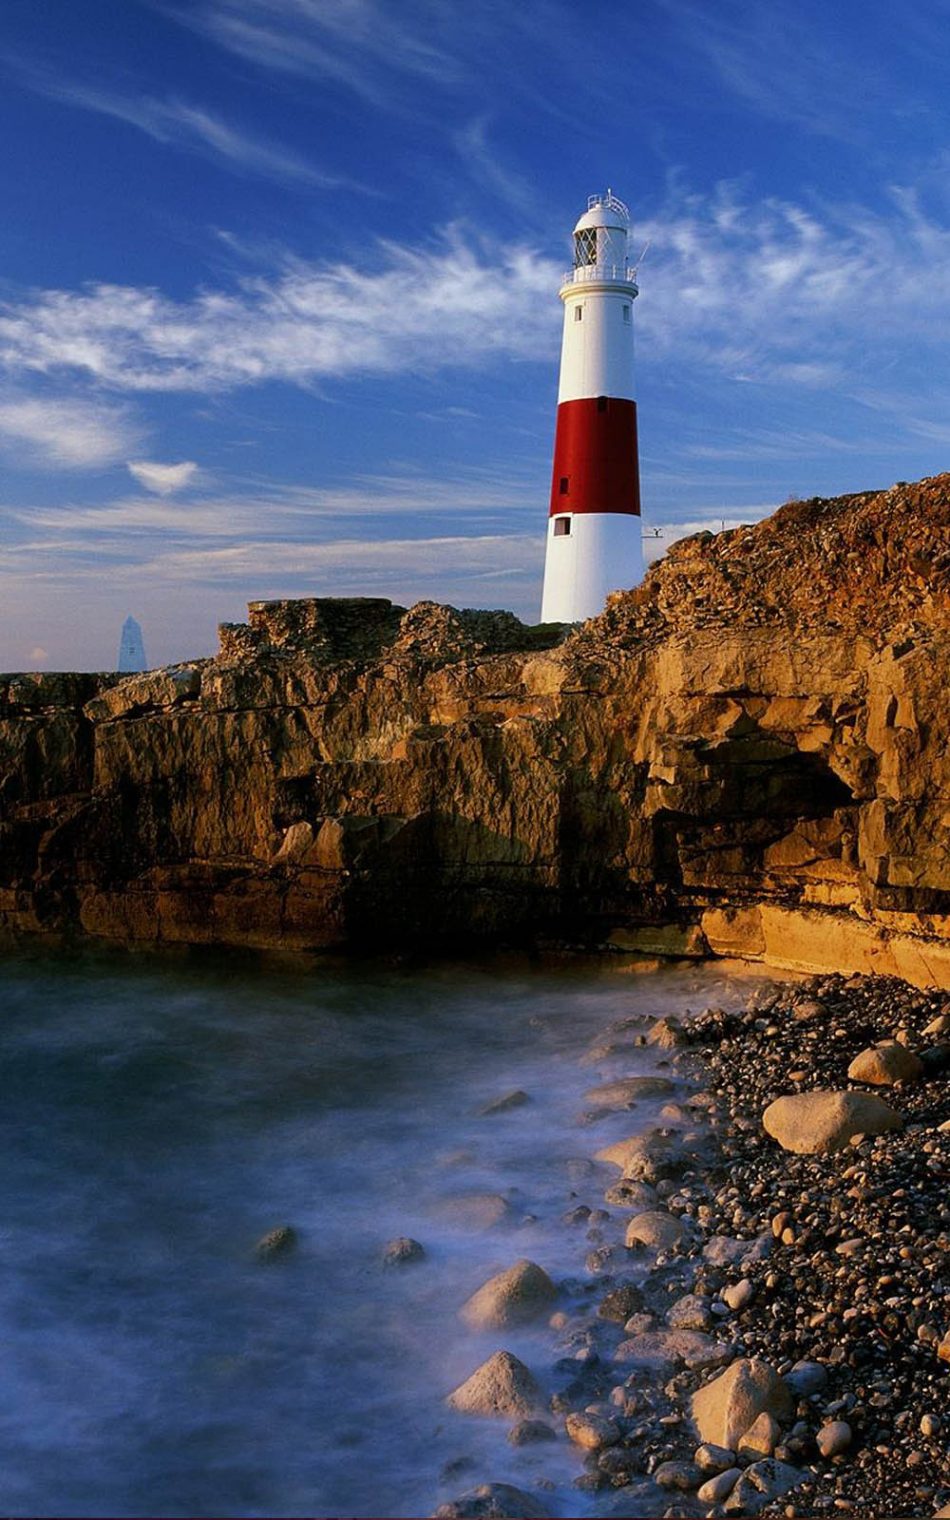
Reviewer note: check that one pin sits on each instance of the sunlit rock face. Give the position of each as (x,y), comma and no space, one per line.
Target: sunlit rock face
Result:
(746,754)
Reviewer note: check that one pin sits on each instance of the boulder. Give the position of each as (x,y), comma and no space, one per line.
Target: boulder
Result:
(647,1158)
(806,1378)
(530,1432)
(833,1437)
(884,1064)
(664,1351)
(402,1252)
(724,1409)
(621,1094)
(815,1123)
(667,1033)
(682,1475)
(513,1297)
(477,1211)
(501,1386)
(719,1487)
(760,1484)
(591,1431)
(713,1459)
(492,1501)
(620,1303)
(514,1099)
(655,1228)
(277,1242)
(738,1295)
(761,1438)
(689,1313)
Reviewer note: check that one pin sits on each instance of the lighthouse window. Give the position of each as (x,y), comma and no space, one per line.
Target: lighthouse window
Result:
(585,247)
(565,485)
(578,313)
(562,527)
(626,313)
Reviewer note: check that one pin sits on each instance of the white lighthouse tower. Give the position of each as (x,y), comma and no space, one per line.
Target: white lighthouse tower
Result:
(594,542)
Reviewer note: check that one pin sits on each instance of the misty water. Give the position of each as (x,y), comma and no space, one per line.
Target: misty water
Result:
(160,1115)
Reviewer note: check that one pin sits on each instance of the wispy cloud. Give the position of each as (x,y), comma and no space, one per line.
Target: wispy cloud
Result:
(180,124)
(64,434)
(361,45)
(163,479)
(424,309)
(761,291)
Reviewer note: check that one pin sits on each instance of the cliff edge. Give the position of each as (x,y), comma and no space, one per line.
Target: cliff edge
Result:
(746,754)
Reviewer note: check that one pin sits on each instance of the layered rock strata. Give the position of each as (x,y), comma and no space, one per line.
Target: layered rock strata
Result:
(745,755)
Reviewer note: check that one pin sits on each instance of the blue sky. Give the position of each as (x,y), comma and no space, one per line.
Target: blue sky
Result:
(278,287)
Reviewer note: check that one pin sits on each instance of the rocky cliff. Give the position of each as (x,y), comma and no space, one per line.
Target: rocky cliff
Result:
(748,754)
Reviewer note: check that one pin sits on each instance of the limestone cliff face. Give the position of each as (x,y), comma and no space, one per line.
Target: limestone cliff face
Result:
(748,753)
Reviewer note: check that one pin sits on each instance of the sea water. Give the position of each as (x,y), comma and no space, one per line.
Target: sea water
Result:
(158,1116)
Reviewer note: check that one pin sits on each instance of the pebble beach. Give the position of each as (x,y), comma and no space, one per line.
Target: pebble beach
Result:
(760,1319)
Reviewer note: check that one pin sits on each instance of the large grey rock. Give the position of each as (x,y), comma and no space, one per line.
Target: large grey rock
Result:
(814,1123)
(725,1408)
(501,1386)
(886,1063)
(492,1501)
(513,1297)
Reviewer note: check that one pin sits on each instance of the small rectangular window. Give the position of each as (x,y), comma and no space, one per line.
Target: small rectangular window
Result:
(626,313)
(578,313)
(601,403)
(562,527)
(565,485)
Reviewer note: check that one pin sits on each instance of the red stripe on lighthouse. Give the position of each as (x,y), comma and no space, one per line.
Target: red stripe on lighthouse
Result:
(595,457)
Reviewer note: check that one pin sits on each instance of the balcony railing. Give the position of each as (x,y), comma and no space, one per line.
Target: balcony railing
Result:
(615,273)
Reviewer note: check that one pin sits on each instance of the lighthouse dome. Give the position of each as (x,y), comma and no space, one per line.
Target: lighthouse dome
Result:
(604,211)
(600,236)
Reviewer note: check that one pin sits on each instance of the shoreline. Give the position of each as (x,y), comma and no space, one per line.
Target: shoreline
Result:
(832,1269)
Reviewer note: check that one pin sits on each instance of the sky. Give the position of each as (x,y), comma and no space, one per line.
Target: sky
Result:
(278,287)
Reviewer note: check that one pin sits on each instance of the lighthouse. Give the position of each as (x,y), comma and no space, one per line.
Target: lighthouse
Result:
(594,542)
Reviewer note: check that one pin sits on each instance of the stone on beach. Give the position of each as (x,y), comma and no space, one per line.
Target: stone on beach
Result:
(647,1158)
(513,1297)
(760,1484)
(761,1438)
(689,1313)
(663,1351)
(628,1090)
(682,1475)
(654,1228)
(724,1409)
(402,1251)
(477,1211)
(738,1295)
(886,1063)
(717,1488)
(501,1386)
(833,1437)
(276,1242)
(492,1501)
(815,1123)
(514,1099)
(592,1431)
